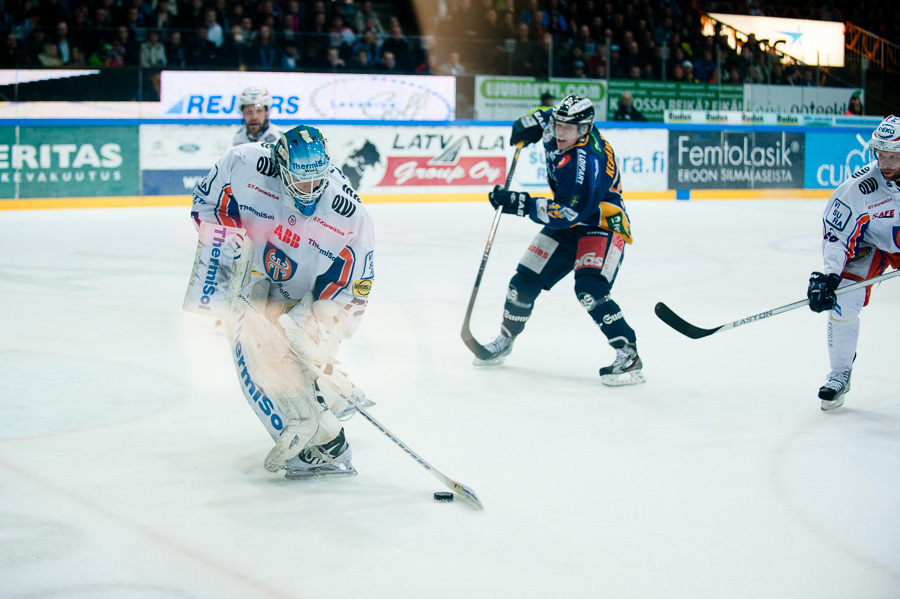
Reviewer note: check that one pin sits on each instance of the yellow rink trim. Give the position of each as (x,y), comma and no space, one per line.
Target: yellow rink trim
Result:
(398,198)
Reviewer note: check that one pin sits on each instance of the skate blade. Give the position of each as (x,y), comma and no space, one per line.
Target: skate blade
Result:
(491,362)
(634,377)
(828,405)
(320,473)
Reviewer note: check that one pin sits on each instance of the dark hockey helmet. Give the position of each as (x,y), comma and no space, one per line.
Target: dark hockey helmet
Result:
(576,110)
(303,163)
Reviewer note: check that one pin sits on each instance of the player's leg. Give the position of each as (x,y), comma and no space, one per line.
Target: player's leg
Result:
(843,325)
(328,452)
(547,260)
(598,258)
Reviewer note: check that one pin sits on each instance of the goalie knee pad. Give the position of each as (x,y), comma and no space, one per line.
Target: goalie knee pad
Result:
(593,294)
(520,296)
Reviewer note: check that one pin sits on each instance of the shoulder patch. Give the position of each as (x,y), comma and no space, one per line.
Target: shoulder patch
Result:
(861,171)
(839,215)
(343,206)
(265,166)
(867,186)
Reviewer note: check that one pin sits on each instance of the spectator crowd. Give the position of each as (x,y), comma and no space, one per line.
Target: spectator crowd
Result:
(618,39)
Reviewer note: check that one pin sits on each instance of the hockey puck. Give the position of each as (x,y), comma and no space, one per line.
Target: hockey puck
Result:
(443,496)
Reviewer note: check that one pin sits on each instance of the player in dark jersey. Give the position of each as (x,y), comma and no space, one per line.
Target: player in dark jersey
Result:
(585,229)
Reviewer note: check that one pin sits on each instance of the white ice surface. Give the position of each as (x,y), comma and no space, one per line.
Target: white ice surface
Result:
(131,466)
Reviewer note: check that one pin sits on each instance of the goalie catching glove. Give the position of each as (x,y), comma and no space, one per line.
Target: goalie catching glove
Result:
(316,328)
(512,202)
(821,291)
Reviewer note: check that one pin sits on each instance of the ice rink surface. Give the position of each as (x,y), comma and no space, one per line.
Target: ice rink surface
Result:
(131,465)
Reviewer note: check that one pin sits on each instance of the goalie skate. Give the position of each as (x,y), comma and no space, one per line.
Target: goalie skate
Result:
(331,459)
(626,369)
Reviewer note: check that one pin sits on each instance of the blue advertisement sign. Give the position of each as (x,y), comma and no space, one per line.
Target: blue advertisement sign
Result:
(171,182)
(833,155)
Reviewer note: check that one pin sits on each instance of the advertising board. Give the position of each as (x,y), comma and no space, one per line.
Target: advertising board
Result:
(68,162)
(653,98)
(508,98)
(311,96)
(735,160)
(832,156)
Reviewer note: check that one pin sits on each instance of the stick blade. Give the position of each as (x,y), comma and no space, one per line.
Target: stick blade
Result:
(466,493)
(476,348)
(666,315)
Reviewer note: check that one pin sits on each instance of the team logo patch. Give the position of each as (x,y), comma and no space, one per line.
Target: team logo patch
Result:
(278,266)
(362,287)
(896,234)
(563,162)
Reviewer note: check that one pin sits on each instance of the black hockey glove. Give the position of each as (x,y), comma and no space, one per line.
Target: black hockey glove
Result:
(512,202)
(821,291)
(528,129)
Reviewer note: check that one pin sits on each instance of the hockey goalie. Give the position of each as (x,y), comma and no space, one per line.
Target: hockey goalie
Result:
(285,259)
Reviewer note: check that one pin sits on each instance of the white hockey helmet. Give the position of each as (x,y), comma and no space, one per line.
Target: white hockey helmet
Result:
(303,162)
(886,137)
(255,96)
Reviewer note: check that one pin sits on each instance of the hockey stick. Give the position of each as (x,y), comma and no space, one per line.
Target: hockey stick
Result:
(467,337)
(694,332)
(327,376)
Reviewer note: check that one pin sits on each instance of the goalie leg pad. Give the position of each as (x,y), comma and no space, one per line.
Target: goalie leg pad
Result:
(280,390)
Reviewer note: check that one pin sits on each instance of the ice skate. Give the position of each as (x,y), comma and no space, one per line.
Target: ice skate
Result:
(626,369)
(499,348)
(833,391)
(331,459)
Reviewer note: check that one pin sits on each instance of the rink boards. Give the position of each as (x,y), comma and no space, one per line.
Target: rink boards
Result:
(82,165)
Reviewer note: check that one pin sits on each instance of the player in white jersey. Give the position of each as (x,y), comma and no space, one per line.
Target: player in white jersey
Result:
(254,104)
(305,291)
(861,239)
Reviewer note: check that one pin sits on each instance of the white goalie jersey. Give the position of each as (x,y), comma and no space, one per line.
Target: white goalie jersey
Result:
(864,208)
(329,254)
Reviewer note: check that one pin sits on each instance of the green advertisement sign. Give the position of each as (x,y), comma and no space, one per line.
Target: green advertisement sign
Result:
(68,162)
(654,97)
(508,98)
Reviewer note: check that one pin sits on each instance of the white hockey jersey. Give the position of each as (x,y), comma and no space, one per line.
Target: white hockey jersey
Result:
(268,135)
(330,253)
(865,207)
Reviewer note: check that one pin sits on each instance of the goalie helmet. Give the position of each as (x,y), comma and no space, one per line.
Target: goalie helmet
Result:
(255,96)
(303,162)
(886,137)
(575,110)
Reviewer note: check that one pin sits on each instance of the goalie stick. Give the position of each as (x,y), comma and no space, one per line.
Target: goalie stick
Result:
(694,332)
(326,372)
(480,352)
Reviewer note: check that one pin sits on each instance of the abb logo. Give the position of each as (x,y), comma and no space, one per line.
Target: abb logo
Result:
(287,236)
(589,260)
